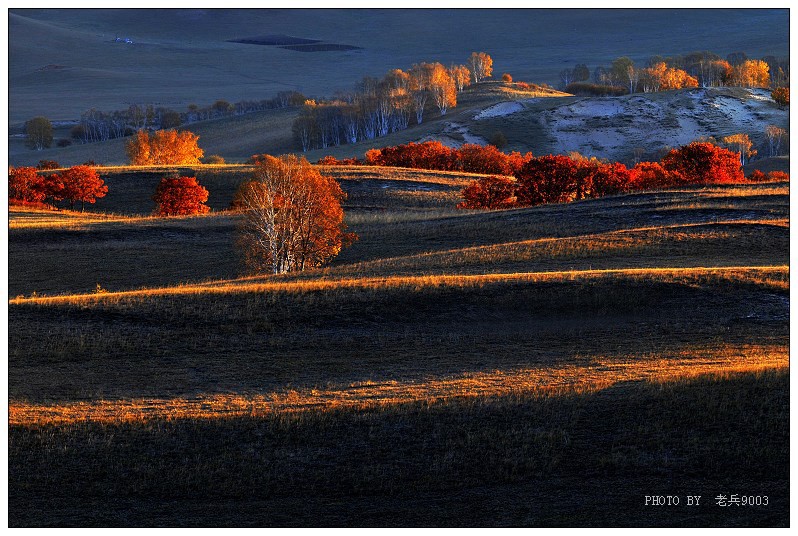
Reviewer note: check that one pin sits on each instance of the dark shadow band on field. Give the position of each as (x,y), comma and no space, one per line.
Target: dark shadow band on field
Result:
(568,460)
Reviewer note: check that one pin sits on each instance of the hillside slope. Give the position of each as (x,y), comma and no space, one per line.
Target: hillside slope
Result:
(540,122)
(612,127)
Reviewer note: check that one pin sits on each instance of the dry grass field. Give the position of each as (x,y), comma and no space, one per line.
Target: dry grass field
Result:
(547,366)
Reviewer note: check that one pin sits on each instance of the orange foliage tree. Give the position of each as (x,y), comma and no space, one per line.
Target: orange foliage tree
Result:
(751,73)
(742,145)
(481,66)
(489,193)
(461,76)
(78,183)
(25,185)
(180,196)
(164,147)
(660,77)
(293,219)
(703,163)
(442,88)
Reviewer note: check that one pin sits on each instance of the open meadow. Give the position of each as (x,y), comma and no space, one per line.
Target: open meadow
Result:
(545,366)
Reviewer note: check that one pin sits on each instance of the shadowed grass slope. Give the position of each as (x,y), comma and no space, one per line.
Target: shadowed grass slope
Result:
(451,368)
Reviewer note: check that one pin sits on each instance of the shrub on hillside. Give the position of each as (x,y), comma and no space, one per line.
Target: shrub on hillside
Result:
(606,179)
(487,159)
(328,160)
(498,140)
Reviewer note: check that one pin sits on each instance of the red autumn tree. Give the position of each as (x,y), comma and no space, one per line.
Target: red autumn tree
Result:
(607,179)
(703,163)
(517,160)
(426,155)
(486,159)
(650,176)
(26,185)
(177,196)
(489,193)
(547,179)
(78,183)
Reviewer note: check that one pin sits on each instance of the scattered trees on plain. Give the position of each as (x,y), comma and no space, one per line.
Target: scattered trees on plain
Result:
(164,147)
(292,219)
(176,196)
(38,133)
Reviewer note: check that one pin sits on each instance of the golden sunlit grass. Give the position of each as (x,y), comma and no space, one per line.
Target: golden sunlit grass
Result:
(22,218)
(599,374)
(776,277)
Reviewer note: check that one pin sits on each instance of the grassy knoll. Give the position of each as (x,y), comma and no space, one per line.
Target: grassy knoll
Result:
(544,366)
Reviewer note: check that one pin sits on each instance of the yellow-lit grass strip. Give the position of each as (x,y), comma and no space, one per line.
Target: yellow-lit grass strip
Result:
(774,276)
(25,218)
(547,381)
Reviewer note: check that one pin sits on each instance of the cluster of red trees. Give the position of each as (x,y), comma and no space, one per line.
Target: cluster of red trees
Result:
(559,179)
(79,183)
(434,155)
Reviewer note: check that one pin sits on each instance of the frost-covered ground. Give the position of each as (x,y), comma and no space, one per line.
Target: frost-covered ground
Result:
(613,127)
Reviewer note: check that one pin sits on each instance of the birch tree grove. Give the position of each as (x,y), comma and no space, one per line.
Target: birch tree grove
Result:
(481,66)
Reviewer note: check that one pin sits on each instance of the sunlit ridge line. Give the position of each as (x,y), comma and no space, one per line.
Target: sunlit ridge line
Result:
(378,281)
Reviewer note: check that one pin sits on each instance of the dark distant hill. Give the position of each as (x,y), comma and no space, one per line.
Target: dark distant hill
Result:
(183,56)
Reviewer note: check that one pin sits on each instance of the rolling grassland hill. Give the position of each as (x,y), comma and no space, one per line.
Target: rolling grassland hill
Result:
(545,366)
(542,121)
